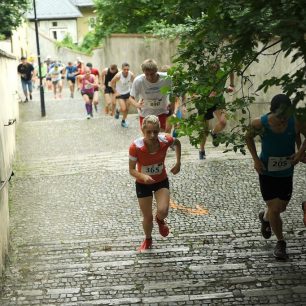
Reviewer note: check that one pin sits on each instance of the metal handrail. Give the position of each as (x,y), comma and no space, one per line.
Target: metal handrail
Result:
(10,122)
(3,183)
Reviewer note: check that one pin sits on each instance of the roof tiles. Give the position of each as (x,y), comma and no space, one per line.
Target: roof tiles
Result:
(55,9)
(82,2)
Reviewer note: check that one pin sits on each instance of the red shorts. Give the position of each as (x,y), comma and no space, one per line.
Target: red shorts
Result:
(162,119)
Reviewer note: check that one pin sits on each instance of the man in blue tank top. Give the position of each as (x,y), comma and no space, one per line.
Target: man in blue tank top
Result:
(279,132)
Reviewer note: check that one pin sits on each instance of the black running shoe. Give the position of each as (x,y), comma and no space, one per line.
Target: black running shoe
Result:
(202,155)
(215,140)
(280,250)
(265,226)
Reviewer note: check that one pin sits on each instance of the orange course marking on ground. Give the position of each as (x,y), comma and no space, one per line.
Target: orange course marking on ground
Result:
(193,211)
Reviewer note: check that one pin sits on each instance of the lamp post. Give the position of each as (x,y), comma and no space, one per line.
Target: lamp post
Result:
(41,87)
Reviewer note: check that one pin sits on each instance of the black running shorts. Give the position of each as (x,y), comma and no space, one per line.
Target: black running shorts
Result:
(276,187)
(108,90)
(90,95)
(146,190)
(71,80)
(123,97)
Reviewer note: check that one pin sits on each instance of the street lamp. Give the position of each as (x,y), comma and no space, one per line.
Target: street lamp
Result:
(41,87)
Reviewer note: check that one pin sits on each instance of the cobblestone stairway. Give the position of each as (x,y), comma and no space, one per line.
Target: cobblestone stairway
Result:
(76,226)
(90,257)
(187,269)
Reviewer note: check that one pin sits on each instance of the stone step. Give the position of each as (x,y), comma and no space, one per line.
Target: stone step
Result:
(105,161)
(103,287)
(155,292)
(103,250)
(57,264)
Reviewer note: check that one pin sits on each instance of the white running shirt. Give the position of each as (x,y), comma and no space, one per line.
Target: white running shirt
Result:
(155,103)
(124,84)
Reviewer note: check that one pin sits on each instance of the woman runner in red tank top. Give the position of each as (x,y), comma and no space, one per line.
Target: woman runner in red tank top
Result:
(148,154)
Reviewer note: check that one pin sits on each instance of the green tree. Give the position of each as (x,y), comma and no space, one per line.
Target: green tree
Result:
(235,34)
(137,16)
(87,45)
(11,15)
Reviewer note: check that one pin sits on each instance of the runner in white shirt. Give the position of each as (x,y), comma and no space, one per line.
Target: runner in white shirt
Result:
(146,89)
(121,84)
(56,78)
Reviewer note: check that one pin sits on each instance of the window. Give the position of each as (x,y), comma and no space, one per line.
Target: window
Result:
(91,22)
(58,33)
(54,34)
(54,24)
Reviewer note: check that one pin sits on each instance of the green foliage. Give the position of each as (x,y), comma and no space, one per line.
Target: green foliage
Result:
(66,42)
(142,16)
(164,30)
(89,42)
(11,13)
(235,35)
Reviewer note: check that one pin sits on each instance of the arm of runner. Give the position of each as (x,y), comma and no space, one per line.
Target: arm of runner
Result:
(177,167)
(175,105)
(103,74)
(96,81)
(132,76)
(63,72)
(135,103)
(113,82)
(79,81)
(139,176)
(231,86)
(34,75)
(300,155)
(252,132)
(33,72)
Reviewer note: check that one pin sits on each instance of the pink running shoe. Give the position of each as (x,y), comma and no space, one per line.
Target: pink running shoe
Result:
(146,244)
(163,227)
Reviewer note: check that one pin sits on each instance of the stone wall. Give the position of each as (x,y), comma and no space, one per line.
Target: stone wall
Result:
(118,48)
(18,44)
(48,48)
(134,49)
(266,68)
(9,112)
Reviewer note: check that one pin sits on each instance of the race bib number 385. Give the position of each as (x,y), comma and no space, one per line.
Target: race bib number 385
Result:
(278,163)
(152,169)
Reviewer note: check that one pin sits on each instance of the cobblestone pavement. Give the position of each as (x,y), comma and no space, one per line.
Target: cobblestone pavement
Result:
(76,225)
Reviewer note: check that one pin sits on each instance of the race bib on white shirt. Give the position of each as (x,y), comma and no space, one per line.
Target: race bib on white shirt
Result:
(278,163)
(155,169)
(88,86)
(125,87)
(153,104)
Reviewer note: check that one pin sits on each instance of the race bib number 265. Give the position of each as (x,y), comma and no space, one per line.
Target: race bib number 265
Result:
(278,163)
